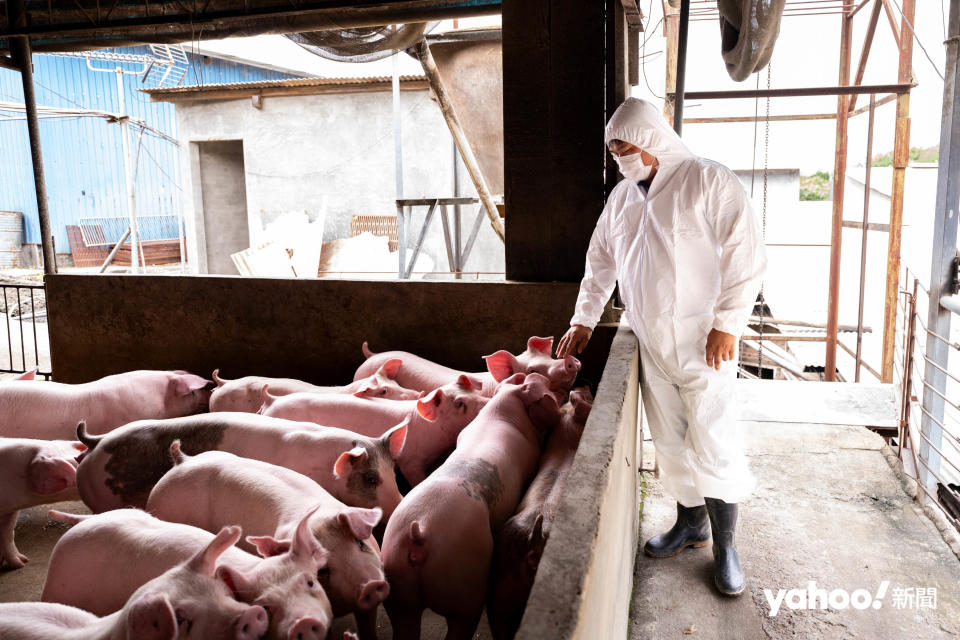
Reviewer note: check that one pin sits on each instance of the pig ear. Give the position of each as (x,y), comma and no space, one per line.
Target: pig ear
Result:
(305,544)
(348,460)
(428,404)
(541,345)
(365,390)
(79,446)
(151,617)
(502,365)
(268,546)
(517,378)
(535,544)
(205,560)
(50,475)
(394,439)
(581,408)
(391,368)
(360,522)
(29,375)
(240,584)
(186,383)
(465,382)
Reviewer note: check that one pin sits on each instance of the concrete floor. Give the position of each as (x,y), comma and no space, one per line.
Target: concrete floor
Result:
(828,508)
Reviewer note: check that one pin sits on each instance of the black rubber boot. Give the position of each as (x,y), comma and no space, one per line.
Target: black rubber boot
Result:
(727,574)
(692,529)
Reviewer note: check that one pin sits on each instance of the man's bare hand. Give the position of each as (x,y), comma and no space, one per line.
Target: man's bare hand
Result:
(574,340)
(720,348)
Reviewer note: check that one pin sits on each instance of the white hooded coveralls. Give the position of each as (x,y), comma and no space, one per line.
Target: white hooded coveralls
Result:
(689,258)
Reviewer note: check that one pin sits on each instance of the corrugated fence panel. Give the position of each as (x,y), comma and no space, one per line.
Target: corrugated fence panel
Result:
(83,156)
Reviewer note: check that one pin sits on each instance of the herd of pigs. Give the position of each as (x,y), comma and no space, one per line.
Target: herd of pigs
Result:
(223,509)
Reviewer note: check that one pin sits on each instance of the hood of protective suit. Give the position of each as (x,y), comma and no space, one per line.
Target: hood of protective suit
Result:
(640,123)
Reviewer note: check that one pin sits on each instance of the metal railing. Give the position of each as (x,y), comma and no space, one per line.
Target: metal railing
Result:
(938,481)
(27,342)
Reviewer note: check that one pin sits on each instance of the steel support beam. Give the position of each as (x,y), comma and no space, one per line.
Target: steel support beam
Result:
(944,251)
(865,51)
(23,58)
(901,158)
(839,179)
(794,92)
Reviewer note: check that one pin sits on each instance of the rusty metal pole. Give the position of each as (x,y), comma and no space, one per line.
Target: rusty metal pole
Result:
(22,55)
(422,50)
(863,241)
(671,24)
(901,158)
(839,177)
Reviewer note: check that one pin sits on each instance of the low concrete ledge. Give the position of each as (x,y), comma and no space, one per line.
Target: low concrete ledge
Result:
(584,583)
(306,329)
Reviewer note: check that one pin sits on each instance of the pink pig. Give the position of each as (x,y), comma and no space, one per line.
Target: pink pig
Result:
(245,394)
(122,466)
(205,608)
(132,548)
(32,472)
(435,420)
(269,502)
(50,410)
(438,545)
(423,375)
(521,540)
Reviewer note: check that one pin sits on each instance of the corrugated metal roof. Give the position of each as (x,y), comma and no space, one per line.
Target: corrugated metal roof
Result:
(276,84)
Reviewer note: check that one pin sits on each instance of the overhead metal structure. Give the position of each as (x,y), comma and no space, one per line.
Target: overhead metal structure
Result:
(76,25)
(847,93)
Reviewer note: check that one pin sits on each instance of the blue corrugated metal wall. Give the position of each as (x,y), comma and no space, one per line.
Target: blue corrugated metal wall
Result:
(83,156)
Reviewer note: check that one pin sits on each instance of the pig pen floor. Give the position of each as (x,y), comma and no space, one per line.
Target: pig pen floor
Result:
(828,508)
(37,534)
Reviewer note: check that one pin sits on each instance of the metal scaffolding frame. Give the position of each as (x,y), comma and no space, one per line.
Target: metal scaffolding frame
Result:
(675,22)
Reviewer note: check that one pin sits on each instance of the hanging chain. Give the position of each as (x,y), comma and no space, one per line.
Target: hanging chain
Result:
(766,150)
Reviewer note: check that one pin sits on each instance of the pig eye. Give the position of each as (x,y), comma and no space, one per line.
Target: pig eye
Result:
(361,544)
(372,480)
(310,583)
(183,622)
(383,392)
(459,404)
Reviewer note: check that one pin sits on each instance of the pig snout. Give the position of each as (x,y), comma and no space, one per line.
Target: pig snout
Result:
(372,594)
(252,624)
(308,629)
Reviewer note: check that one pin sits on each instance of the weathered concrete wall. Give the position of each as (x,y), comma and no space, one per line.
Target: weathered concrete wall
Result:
(585,579)
(331,154)
(307,329)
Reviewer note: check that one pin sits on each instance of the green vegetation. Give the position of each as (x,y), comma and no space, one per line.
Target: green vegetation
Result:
(815,187)
(929,154)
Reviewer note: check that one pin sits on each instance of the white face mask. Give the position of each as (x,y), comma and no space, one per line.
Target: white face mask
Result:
(632,167)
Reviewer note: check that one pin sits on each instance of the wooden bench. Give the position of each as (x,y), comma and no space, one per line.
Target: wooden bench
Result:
(165,251)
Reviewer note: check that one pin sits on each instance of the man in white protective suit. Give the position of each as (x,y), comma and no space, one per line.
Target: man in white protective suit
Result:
(680,237)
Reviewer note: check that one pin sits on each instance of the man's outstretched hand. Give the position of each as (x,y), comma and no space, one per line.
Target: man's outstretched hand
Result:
(720,348)
(574,340)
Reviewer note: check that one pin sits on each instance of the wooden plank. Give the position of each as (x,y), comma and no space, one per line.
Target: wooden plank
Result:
(554,116)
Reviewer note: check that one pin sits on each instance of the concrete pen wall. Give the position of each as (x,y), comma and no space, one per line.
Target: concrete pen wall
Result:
(585,579)
(307,329)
